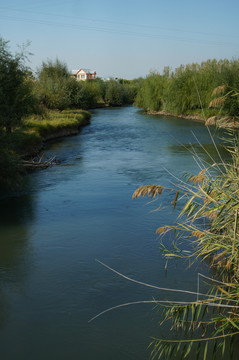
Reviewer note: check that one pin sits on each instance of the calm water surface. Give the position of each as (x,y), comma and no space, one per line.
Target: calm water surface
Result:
(82,210)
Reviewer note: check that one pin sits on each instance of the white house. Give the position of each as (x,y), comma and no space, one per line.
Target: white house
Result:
(83,74)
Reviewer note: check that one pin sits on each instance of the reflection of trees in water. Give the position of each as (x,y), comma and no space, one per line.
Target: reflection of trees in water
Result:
(13,243)
(4,307)
(15,212)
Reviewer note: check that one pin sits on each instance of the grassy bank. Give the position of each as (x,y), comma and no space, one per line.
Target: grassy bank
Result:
(28,140)
(35,130)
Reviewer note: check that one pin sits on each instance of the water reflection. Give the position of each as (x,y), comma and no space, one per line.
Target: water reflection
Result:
(17,209)
(16,213)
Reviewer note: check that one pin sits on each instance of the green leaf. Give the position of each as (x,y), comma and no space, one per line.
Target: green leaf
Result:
(214,352)
(205,351)
(188,349)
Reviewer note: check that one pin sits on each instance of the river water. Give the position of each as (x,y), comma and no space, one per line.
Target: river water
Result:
(81,210)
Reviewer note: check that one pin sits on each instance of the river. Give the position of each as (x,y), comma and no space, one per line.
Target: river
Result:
(81,210)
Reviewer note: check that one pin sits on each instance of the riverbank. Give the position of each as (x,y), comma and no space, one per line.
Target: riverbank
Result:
(28,140)
(37,131)
(181,116)
(219,121)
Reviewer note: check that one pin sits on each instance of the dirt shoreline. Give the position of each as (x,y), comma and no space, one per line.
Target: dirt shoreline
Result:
(164,113)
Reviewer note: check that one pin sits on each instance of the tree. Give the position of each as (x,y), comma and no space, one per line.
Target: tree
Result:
(53,84)
(151,95)
(114,93)
(16,98)
(53,70)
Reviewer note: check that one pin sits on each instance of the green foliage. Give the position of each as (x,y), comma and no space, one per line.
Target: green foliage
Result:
(53,70)
(151,96)
(56,123)
(53,86)
(118,93)
(129,93)
(16,101)
(231,104)
(213,317)
(86,94)
(28,140)
(25,142)
(56,90)
(16,98)
(114,93)
(177,92)
(83,116)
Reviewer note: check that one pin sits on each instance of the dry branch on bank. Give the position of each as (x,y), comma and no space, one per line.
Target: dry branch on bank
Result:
(33,164)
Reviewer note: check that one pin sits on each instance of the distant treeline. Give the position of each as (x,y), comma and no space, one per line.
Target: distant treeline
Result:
(54,88)
(212,85)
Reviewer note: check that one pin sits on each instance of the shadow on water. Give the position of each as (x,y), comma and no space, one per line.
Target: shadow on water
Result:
(16,212)
(17,209)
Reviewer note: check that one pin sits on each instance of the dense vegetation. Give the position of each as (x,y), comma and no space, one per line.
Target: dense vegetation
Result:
(54,88)
(186,90)
(16,97)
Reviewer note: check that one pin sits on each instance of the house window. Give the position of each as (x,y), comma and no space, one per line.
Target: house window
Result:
(82,77)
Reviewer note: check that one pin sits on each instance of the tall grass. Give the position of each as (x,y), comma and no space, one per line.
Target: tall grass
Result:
(213,318)
(174,91)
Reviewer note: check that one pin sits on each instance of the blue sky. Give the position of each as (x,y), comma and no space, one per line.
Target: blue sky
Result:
(125,38)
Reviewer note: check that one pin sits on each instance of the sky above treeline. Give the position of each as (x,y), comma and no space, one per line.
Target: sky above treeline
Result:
(124,39)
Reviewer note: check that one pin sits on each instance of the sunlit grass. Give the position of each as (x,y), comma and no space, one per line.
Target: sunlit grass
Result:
(28,139)
(56,122)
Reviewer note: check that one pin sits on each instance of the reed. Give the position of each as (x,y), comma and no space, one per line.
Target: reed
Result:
(215,318)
